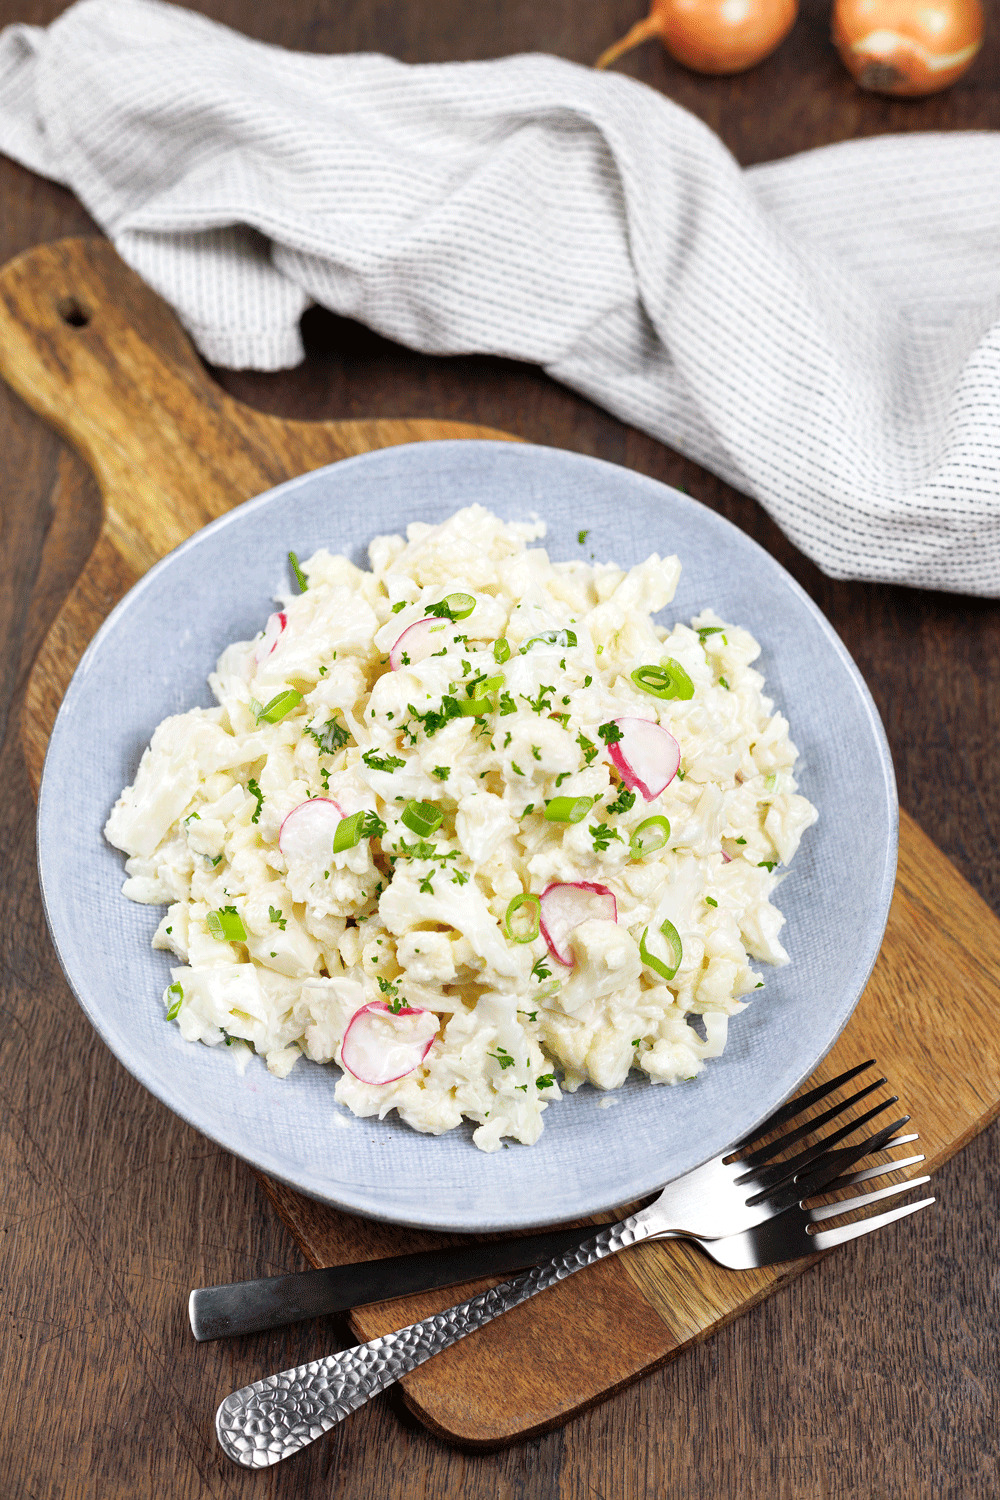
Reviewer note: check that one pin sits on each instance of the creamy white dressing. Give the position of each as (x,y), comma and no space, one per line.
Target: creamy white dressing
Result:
(419,920)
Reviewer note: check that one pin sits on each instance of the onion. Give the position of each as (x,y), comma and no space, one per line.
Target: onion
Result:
(564,906)
(272,633)
(646,756)
(417,642)
(712,36)
(306,835)
(901,47)
(381,1045)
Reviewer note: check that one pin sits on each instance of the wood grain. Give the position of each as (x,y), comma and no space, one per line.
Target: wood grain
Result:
(873,1376)
(169,453)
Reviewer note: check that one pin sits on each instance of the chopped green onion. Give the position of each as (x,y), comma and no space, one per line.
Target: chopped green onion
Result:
(501,650)
(300,577)
(550,638)
(673,943)
(225,925)
(175,989)
(422,817)
(651,834)
(454,607)
(400,604)
(770,781)
(568,809)
(533,915)
(348,832)
(706,630)
(668,680)
(711,901)
(279,706)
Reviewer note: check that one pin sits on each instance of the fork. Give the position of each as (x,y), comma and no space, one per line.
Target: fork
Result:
(268,1421)
(730,1194)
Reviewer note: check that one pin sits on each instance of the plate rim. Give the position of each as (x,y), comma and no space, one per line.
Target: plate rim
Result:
(355,1201)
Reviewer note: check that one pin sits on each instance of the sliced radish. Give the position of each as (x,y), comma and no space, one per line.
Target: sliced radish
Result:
(276,624)
(726,858)
(647,756)
(418,641)
(565,906)
(380,1045)
(306,835)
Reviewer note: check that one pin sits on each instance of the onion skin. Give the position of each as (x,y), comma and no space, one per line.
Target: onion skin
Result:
(906,48)
(712,36)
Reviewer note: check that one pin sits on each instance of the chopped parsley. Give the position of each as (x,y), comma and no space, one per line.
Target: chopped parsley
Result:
(725,684)
(587,681)
(767,864)
(741,841)
(603,835)
(623,801)
(545,1081)
(540,970)
(255,791)
(276,917)
(536,751)
(507,704)
(538,703)
(441,772)
(532,1015)
(711,901)
(376,762)
(516,768)
(562,777)
(582,536)
(332,737)
(587,746)
(401,604)
(502,1056)
(610,733)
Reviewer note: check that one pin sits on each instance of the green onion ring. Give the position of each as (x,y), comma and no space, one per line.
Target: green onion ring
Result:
(668,680)
(279,706)
(501,650)
(226,926)
(568,809)
(514,905)
(673,938)
(348,832)
(659,832)
(422,818)
(460,606)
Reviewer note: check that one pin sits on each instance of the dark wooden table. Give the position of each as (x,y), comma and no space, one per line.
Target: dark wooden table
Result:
(874,1375)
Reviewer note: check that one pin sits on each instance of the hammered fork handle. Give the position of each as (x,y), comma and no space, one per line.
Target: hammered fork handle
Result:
(273,1418)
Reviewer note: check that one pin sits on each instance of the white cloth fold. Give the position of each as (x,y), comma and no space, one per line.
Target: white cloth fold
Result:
(823,332)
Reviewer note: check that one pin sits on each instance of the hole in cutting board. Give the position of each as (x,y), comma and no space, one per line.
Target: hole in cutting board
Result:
(72,312)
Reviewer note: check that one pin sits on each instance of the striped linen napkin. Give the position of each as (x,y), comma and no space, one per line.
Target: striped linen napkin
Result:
(822,332)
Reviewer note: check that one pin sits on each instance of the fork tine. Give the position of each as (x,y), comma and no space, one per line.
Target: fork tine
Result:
(782,1171)
(757,1158)
(796,1106)
(863,1200)
(824,1169)
(828,1238)
(856,1177)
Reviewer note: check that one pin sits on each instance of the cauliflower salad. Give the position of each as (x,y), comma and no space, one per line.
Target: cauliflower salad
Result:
(471,826)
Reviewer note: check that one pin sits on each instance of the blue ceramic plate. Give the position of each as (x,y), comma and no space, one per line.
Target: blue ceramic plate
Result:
(151,658)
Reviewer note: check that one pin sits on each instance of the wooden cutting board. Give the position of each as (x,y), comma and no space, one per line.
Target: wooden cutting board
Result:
(95,352)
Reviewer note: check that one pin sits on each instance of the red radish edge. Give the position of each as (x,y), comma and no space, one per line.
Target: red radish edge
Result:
(561,913)
(646,757)
(273,630)
(419,642)
(307,831)
(728,858)
(359,1048)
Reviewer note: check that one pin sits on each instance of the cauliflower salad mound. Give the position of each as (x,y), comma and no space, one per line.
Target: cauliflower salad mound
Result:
(471,826)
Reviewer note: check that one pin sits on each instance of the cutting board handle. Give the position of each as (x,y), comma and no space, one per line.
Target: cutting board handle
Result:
(101,357)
